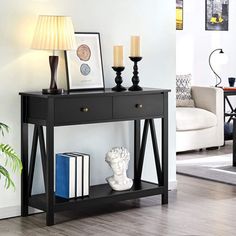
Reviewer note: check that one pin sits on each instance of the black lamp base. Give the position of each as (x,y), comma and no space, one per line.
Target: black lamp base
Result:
(53,91)
(53,62)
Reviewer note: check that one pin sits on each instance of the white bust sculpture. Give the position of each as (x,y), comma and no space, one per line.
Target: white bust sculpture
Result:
(118,159)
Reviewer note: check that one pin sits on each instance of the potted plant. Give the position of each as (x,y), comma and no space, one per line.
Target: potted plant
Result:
(11,159)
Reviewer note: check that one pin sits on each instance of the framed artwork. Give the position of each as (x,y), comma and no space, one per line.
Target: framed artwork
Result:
(179,15)
(84,64)
(217,15)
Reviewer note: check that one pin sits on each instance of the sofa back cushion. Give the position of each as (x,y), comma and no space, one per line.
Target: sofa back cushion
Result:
(183,91)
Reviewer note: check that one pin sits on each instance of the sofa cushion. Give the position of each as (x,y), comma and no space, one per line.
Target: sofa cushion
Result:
(191,118)
(183,91)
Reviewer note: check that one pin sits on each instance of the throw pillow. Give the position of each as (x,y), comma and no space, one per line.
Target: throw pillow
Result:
(183,91)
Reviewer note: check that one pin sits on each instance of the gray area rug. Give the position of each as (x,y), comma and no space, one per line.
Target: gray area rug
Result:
(216,168)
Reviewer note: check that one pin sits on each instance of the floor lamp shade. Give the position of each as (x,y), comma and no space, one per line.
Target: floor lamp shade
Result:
(54,33)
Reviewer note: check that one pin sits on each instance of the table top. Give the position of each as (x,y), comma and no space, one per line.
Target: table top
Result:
(105,92)
(229,91)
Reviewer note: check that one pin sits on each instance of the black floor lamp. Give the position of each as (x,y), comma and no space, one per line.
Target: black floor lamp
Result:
(217,76)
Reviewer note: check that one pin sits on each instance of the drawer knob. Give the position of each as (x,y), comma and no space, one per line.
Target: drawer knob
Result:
(84,109)
(138,105)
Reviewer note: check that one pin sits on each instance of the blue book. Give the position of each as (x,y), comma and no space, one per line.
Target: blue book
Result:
(65,176)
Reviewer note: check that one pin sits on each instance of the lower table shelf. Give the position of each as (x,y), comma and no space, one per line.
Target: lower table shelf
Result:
(99,194)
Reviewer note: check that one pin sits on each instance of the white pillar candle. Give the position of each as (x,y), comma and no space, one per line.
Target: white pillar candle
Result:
(135,46)
(118,56)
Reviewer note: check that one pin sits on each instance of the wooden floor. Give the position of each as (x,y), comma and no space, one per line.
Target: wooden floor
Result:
(199,207)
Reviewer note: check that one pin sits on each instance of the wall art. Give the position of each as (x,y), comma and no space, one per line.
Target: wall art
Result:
(84,64)
(179,15)
(217,15)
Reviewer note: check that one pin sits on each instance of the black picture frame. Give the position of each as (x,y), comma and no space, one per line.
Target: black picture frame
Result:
(84,65)
(179,14)
(217,15)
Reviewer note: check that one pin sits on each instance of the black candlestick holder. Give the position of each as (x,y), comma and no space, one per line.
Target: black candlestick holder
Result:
(135,78)
(118,79)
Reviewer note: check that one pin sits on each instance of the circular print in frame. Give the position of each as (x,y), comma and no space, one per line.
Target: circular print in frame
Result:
(85,69)
(83,52)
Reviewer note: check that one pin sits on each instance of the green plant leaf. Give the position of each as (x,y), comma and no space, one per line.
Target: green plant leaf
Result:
(3,127)
(8,180)
(11,157)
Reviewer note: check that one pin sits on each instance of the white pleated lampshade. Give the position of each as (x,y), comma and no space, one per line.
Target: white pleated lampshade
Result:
(54,33)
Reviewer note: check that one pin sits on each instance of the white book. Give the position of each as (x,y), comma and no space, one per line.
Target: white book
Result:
(72,178)
(78,173)
(79,176)
(85,172)
(86,176)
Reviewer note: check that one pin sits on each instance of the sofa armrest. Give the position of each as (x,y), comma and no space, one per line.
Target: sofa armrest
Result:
(209,98)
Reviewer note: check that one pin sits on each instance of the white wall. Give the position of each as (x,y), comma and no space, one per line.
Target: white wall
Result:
(23,69)
(194,44)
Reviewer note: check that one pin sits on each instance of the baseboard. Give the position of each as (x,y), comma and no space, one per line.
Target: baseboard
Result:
(172,185)
(14,211)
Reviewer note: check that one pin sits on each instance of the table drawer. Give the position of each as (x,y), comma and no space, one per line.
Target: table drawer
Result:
(138,106)
(82,110)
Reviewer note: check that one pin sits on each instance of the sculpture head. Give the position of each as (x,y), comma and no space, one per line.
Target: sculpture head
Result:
(118,159)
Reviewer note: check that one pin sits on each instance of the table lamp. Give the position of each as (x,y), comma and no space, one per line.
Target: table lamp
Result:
(217,76)
(53,33)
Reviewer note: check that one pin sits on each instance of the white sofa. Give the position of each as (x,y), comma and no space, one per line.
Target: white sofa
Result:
(201,126)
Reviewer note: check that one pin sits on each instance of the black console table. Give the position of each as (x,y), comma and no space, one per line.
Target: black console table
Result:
(84,108)
(228,116)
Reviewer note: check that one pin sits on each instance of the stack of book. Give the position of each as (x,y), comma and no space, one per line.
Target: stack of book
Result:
(72,175)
